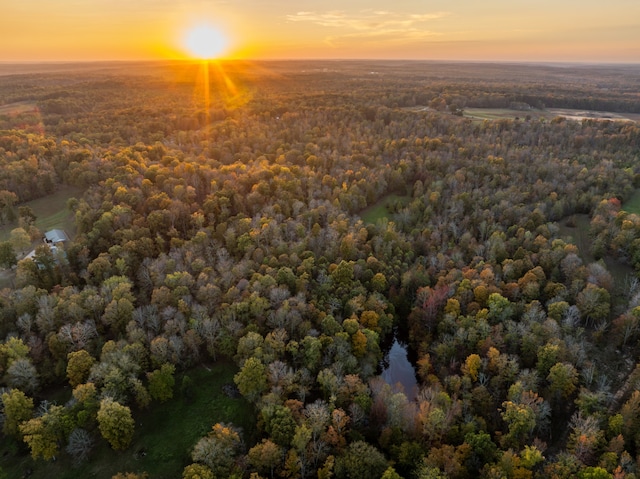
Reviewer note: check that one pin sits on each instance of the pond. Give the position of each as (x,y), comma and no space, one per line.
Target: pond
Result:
(399,372)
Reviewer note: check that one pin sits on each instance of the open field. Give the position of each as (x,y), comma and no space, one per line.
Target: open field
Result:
(512,114)
(17,108)
(164,437)
(579,235)
(51,212)
(592,115)
(632,205)
(381,209)
(500,113)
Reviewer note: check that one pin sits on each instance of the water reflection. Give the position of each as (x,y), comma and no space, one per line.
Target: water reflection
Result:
(400,371)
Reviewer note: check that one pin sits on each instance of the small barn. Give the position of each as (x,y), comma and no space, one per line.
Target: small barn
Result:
(55,236)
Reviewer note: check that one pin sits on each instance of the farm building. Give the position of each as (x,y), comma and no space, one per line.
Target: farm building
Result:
(55,236)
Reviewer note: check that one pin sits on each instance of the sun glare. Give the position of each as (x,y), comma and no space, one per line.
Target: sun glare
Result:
(205,42)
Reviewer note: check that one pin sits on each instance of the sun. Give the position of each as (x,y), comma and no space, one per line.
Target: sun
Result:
(205,42)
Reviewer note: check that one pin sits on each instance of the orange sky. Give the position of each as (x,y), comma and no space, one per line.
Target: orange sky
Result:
(544,30)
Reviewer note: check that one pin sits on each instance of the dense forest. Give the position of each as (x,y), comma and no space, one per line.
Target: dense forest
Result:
(230,225)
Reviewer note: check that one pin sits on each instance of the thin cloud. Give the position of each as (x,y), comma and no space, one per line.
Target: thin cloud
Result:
(386,38)
(371,26)
(364,20)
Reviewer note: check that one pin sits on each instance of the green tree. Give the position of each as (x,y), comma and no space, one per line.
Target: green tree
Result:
(521,421)
(361,461)
(499,307)
(252,379)
(379,282)
(343,273)
(594,473)
(18,407)
(26,216)
(430,472)
(78,366)
(563,380)
(47,274)
(390,473)
(43,434)
(531,456)
(548,355)
(279,424)
(116,423)
(326,471)
(7,200)
(197,471)
(140,393)
(483,450)
(14,348)
(593,303)
(161,382)
(20,239)
(7,255)
(300,443)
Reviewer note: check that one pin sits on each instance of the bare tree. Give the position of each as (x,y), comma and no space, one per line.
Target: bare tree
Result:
(79,445)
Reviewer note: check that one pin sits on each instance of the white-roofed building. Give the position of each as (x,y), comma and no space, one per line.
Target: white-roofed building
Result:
(55,236)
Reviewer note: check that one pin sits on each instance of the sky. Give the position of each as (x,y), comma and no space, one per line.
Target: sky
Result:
(478,30)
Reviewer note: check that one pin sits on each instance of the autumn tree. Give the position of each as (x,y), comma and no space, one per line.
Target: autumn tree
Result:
(18,407)
(43,434)
(197,471)
(116,423)
(78,366)
(7,200)
(265,457)
(218,450)
(131,475)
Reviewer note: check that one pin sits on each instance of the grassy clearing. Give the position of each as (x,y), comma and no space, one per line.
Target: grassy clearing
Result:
(610,362)
(632,205)
(570,114)
(381,209)
(51,212)
(164,435)
(17,108)
(579,235)
(500,113)
(573,114)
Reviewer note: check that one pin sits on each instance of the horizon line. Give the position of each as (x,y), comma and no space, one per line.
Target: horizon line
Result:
(328,59)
